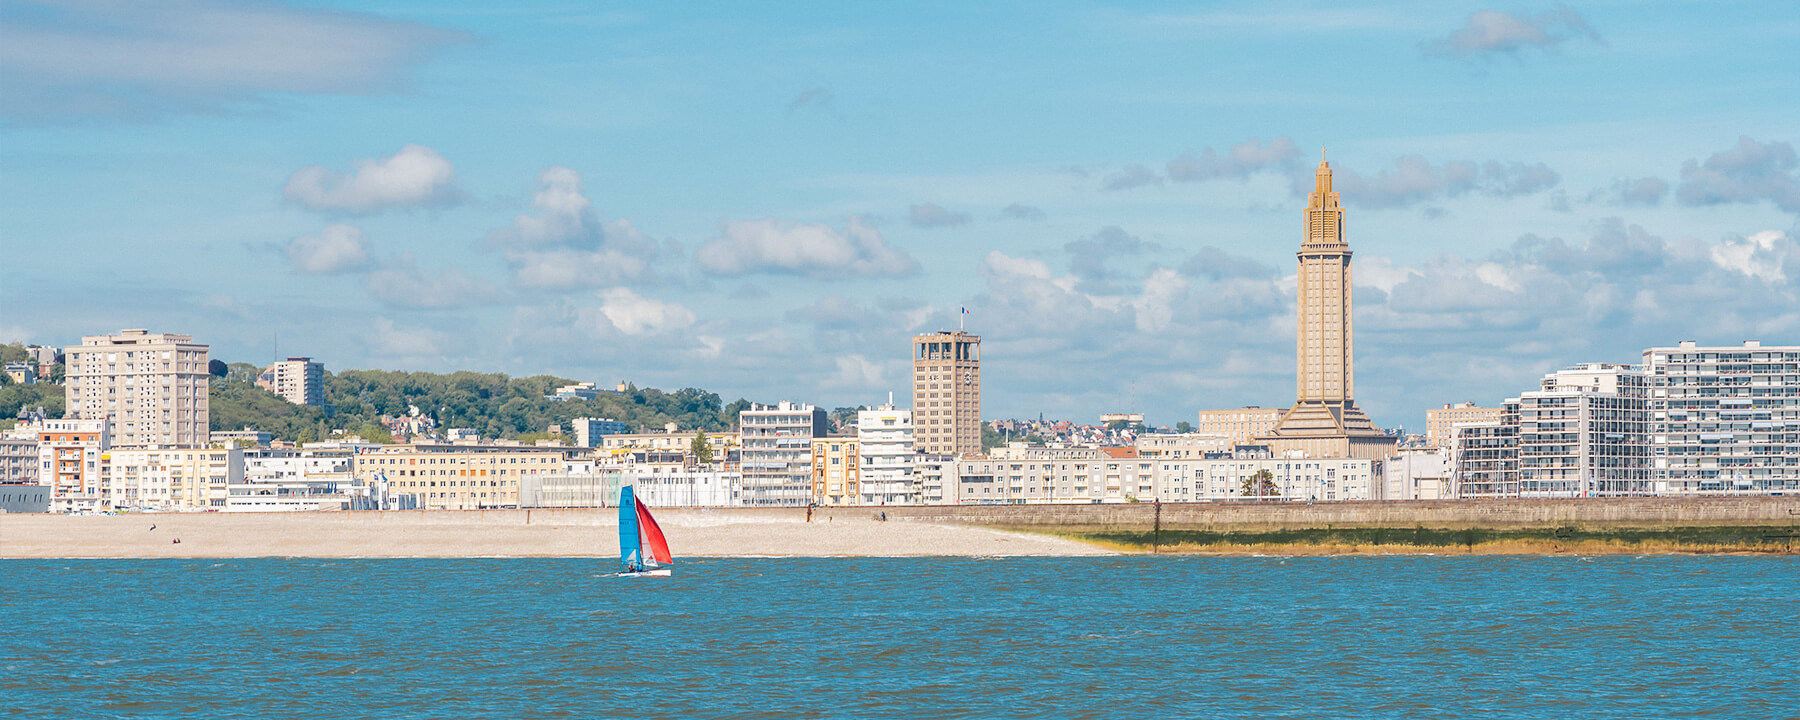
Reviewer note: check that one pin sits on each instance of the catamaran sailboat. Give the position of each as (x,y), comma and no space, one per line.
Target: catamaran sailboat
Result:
(639,532)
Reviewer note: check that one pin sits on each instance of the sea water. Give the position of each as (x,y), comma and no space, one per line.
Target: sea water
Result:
(1109,637)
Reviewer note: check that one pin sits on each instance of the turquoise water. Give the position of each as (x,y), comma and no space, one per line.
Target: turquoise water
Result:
(1347,637)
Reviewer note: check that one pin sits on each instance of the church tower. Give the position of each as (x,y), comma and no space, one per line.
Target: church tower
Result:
(1325,421)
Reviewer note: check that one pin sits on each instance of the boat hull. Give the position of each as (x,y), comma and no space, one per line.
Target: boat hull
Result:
(659,572)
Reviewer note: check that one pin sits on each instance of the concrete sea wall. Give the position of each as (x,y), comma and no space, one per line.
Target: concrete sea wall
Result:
(1497,513)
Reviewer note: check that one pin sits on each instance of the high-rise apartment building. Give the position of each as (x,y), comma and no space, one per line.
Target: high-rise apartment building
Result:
(947,393)
(588,431)
(885,436)
(1725,419)
(1583,433)
(151,387)
(298,379)
(777,452)
(1325,421)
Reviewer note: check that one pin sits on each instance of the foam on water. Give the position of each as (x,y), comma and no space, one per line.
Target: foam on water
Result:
(1127,636)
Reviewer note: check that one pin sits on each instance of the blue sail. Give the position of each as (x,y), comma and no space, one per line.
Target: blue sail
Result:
(631,550)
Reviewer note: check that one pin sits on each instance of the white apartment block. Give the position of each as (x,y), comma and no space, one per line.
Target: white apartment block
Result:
(1102,477)
(1725,419)
(170,478)
(1416,474)
(885,438)
(777,452)
(298,379)
(151,387)
(1182,446)
(721,442)
(1484,456)
(1584,433)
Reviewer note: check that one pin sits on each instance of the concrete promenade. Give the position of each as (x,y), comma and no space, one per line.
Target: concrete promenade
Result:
(1497,514)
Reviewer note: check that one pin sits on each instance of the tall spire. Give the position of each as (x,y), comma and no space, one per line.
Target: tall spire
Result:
(1324,214)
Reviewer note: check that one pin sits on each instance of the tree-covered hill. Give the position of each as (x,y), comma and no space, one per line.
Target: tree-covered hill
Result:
(493,404)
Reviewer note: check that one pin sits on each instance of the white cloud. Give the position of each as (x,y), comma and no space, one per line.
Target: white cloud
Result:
(1762,256)
(143,59)
(1414,180)
(1747,172)
(813,249)
(566,245)
(400,283)
(1489,32)
(337,248)
(387,340)
(634,314)
(1131,176)
(414,177)
(1017,211)
(933,215)
(1238,162)
(856,372)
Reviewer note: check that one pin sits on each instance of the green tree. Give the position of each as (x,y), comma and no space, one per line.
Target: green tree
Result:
(1261,484)
(375,433)
(701,448)
(1184,427)
(991,438)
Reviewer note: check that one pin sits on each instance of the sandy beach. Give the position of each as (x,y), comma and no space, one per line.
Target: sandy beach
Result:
(505,533)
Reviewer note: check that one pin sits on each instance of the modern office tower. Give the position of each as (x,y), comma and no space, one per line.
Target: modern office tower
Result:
(152,387)
(1726,419)
(298,379)
(947,393)
(1440,423)
(885,436)
(1583,433)
(777,452)
(588,431)
(1325,421)
(69,462)
(836,470)
(1239,426)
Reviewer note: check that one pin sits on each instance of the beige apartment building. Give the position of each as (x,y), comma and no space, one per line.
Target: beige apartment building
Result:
(152,387)
(298,379)
(1440,423)
(458,477)
(170,479)
(947,393)
(1239,426)
(837,476)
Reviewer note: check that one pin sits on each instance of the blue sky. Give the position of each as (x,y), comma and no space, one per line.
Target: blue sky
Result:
(767,201)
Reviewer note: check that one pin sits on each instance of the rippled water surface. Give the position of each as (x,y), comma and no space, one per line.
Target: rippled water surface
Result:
(1023,637)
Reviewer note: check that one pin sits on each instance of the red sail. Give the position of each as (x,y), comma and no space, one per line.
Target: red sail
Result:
(653,537)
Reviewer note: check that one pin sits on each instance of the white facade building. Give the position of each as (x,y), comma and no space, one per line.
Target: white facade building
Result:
(777,452)
(171,478)
(1725,419)
(885,440)
(298,379)
(1584,433)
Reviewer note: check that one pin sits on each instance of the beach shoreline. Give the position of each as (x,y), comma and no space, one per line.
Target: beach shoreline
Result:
(506,534)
